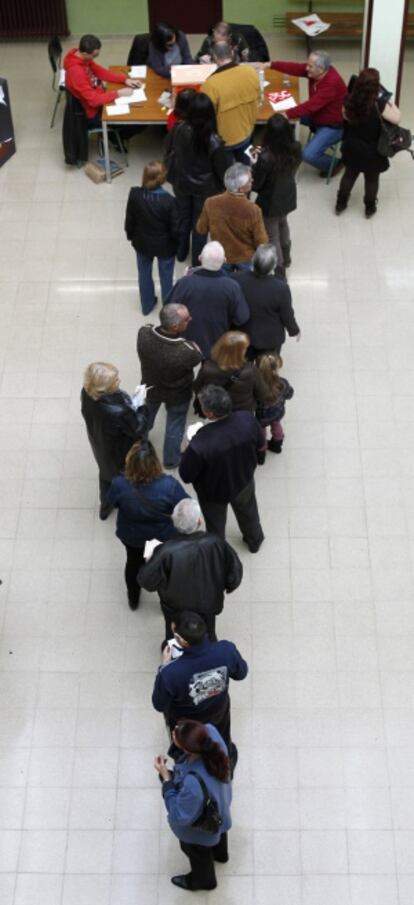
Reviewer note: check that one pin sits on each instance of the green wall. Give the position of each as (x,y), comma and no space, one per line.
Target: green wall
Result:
(107,17)
(259,13)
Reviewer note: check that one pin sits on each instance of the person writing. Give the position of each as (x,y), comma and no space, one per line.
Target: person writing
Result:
(84,79)
(167,47)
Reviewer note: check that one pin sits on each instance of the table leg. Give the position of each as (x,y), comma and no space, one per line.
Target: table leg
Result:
(106,150)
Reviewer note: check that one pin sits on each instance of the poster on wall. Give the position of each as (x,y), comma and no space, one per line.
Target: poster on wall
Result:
(7,143)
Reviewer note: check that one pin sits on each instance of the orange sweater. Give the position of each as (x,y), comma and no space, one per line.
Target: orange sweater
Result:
(234,221)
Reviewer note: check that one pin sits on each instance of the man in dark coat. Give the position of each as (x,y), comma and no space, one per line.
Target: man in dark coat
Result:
(270,303)
(192,570)
(215,303)
(220,462)
(195,686)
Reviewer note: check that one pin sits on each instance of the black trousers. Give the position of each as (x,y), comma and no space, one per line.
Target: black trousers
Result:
(202,858)
(244,506)
(134,561)
(169,613)
(371,184)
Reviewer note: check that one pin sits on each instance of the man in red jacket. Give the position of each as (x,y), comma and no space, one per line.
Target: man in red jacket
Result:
(84,79)
(323,111)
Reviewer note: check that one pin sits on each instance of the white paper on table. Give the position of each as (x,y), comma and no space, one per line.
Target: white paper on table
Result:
(138,95)
(138,72)
(312,25)
(117,109)
(149,548)
(283,105)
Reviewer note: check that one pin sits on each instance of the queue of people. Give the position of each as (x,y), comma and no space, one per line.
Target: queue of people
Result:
(218,342)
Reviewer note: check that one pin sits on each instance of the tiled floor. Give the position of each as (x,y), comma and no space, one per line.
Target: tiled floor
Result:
(324,793)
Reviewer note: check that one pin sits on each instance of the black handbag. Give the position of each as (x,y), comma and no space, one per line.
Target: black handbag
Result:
(209,820)
(393,138)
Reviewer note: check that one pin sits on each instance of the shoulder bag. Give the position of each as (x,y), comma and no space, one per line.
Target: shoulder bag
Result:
(209,820)
(393,138)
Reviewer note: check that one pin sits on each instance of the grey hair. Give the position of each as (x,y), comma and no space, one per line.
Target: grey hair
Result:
(215,400)
(212,255)
(323,60)
(221,52)
(171,315)
(186,516)
(236,177)
(264,259)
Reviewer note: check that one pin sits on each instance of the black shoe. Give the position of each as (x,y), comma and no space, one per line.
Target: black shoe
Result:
(133,602)
(341,203)
(370,209)
(104,512)
(261,456)
(254,547)
(184,882)
(275,446)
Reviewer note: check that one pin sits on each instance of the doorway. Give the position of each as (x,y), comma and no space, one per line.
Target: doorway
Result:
(191,18)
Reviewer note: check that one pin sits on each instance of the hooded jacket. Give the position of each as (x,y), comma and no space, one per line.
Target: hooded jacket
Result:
(83,79)
(192,572)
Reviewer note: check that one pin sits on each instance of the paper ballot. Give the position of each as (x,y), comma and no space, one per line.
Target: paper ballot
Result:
(118,109)
(138,72)
(137,97)
(312,25)
(281,100)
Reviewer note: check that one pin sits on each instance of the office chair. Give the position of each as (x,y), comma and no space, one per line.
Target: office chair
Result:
(54,52)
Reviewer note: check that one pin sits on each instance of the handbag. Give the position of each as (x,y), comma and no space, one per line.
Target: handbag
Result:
(209,820)
(393,138)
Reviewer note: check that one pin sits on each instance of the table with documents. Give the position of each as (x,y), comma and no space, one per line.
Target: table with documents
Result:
(144,108)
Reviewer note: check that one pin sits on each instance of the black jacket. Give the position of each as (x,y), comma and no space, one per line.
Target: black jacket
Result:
(74,132)
(191,171)
(245,386)
(192,572)
(151,222)
(113,426)
(276,188)
(221,459)
(271,312)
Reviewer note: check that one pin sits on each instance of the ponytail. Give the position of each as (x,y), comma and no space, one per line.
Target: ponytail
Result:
(194,738)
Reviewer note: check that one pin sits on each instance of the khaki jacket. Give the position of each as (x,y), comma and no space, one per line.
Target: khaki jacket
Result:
(234,92)
(234,221)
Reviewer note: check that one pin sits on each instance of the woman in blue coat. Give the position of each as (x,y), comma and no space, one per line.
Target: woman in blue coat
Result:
(203,763)
(145,498)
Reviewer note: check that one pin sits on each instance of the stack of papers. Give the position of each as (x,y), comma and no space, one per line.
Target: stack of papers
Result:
(138,72)
(312,25)
(137,97)
(281,100)
(118,109)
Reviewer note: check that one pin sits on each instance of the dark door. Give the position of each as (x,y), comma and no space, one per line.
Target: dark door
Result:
(190,17)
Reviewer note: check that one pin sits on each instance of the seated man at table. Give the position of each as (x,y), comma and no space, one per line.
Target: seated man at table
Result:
(322,112)
(84,79)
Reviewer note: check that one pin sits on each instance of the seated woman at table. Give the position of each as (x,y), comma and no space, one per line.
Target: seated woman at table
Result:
(221,33)
(167,47)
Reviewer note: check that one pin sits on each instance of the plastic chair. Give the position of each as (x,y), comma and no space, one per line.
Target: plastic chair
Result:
(334,156)
(54,52)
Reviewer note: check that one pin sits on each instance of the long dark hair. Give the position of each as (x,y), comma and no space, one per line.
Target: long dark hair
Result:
(278,139)
(365,89)
(193,736)
(201,117)
(142,465)
(161,34)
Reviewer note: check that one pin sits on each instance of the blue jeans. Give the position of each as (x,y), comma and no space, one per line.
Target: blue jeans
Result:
(241,265)
(146,283)
(236,153)
(189,210)
(174,429)
(314,152)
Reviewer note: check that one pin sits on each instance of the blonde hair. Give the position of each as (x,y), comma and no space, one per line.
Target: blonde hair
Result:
(99,378)
(230,350)
(154,175)
(269,366)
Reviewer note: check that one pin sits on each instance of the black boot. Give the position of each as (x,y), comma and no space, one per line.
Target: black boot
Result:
(275,446)
(341,203)
(287,260)
(370,208)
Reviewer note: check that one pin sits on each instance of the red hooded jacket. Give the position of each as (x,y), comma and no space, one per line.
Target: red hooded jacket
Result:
(82,78)
(326,95)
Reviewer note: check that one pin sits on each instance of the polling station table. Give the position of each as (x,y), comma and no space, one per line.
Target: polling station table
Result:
(151,113)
